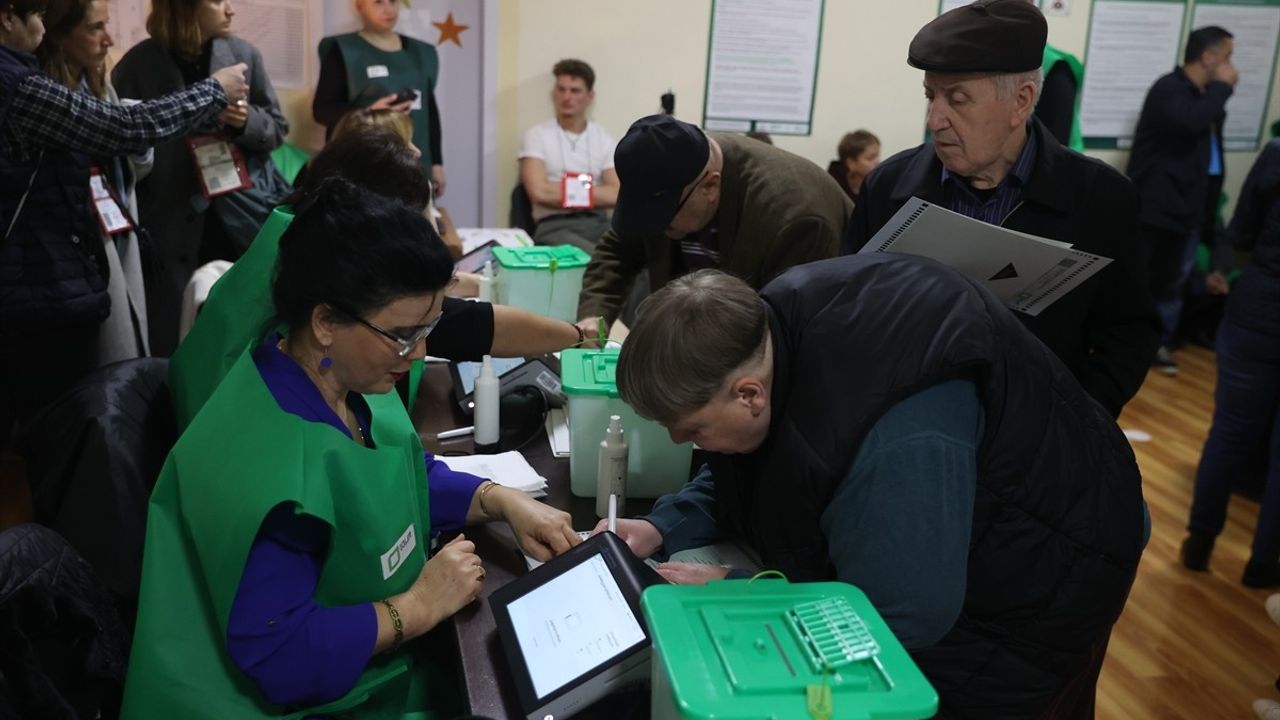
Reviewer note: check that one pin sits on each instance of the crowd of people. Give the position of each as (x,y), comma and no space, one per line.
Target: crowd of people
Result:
(877,419)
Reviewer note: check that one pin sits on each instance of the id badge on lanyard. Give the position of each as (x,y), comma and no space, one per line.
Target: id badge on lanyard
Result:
(577,191)
(111,217)
(219,164)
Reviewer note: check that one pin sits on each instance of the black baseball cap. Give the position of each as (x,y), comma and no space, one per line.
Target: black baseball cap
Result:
(1005,36)
(657,157)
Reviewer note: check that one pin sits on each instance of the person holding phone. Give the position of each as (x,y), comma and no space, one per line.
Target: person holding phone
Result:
(377,67)
(196,207)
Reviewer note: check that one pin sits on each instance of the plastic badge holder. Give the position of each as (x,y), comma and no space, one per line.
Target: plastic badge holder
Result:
(768,648)
(540,279)
(655,465)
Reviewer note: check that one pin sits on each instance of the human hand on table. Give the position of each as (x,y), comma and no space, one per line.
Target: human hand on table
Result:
(680,573)
(639,535)
(541,530)
(449,581)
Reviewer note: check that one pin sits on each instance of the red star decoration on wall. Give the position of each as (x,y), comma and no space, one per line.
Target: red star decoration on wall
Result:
(450,30)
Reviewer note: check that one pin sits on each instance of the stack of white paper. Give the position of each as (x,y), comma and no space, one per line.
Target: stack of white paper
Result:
(558,432)
(508,469)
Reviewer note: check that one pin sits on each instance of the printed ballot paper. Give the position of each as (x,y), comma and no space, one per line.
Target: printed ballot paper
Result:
(1027,273)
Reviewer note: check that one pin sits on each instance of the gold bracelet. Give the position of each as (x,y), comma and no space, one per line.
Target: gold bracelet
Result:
(397,624)
(489,485)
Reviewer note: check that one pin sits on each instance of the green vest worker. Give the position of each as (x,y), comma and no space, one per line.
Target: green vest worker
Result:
(371,67)
(285,571)
(1059,106)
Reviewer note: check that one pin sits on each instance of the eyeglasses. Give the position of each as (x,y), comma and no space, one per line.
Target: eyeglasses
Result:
(685,199)
(404,345)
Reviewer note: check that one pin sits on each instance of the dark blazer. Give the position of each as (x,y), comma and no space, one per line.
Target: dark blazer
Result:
(170,204)
(1105,331)
(1171,146)
(776,210)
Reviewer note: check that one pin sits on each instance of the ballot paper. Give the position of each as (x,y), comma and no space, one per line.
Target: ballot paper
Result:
(1025,272)
(508,469)
(558,432)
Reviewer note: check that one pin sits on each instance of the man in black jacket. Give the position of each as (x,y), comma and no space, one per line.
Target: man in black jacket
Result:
(882,420)
(1177,151)
(991,161)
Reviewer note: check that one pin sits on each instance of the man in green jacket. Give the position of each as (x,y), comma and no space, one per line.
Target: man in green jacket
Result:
(692,200)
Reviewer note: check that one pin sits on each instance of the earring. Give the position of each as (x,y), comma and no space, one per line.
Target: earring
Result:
(326,362)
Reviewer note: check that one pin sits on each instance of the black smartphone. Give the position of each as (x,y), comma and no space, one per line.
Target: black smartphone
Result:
(405,95)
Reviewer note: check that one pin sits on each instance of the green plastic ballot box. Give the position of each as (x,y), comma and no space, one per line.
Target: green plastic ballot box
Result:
(542,280)
(655,464)
(772,649)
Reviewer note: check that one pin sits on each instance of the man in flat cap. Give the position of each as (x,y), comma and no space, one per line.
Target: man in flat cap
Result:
(692,200)
(991,160)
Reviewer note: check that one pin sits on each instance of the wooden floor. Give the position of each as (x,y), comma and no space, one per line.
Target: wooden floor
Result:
(1189,645)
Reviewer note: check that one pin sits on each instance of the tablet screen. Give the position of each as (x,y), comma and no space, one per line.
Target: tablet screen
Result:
(573,624)
(469,371)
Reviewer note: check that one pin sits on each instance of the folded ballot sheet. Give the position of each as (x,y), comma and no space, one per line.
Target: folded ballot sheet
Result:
(1027,273)
(508,469)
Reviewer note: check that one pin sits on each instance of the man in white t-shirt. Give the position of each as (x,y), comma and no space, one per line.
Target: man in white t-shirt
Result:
(566,164)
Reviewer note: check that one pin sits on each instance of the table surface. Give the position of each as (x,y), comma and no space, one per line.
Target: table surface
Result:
(488,688)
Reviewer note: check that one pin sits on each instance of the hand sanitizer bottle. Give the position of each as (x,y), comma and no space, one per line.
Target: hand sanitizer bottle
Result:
(611,474)
(485,291)
(487,435)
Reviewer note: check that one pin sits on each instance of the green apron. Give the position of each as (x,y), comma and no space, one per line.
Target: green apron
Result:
(234,318)
(374,74)
(1053,56)
(240,458)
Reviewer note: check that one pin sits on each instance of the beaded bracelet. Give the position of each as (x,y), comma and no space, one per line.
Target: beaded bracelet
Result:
(397,624)
(582,336)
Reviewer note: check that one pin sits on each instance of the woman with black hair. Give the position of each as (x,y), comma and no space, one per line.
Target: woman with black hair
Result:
(379,160)
(286,565)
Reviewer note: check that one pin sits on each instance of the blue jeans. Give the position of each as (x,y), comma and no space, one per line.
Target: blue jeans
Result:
(1172,256)
(1245,418)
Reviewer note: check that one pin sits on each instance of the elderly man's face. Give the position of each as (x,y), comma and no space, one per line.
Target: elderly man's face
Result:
(969,122)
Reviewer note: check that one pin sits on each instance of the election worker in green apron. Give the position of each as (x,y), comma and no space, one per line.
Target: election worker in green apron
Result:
(286,570)
(379,68)
(239,307)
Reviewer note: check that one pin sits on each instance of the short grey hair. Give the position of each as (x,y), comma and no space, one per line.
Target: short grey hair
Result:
(1007,83)
(688,338)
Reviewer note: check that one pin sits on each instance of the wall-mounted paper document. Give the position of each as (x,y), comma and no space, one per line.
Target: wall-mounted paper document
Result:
(1027,273)
(1256,27)
(1131,43)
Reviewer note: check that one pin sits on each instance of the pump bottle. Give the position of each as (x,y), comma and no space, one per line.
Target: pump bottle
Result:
(611,473)
(487,437)
(484,293)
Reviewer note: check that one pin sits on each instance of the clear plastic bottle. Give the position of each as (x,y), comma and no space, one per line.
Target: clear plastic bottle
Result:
(485,291)
(611,474)
(487,432)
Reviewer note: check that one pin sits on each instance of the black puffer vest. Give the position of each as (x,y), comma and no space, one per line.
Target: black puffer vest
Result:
(52,274)
(1058,515)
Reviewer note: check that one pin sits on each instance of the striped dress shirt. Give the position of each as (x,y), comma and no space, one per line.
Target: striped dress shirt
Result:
(991,206)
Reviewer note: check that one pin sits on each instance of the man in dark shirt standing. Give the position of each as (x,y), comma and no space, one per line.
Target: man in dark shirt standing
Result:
(1177,150)
(990,160)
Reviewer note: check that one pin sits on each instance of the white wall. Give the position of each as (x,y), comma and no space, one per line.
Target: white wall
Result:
(641,49)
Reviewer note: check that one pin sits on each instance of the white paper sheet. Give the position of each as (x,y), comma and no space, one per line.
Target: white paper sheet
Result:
(1026,273)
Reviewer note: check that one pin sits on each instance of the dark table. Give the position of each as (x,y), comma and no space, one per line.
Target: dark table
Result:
(487,685)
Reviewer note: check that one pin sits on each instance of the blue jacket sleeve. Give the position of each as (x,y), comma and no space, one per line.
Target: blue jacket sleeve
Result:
(898,526)
(449,493)
(296,651)
(687,518)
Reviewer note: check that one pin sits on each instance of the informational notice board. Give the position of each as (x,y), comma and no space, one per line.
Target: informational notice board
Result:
(762,66)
